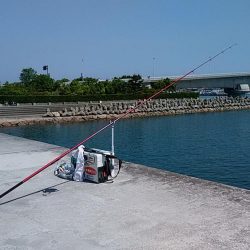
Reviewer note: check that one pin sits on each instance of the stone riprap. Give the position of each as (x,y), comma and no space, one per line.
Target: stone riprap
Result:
(165,106)
(111,110)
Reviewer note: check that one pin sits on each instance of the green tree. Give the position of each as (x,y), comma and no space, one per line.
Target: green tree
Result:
(43,83)
(27,76)
(13,89)
(135,83)
(117,86)
(161,84)
(124,77)
(75,87)
(63,89)
(90,80)
(63,80)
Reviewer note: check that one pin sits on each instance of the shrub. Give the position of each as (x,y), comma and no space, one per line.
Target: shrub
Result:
(87,98)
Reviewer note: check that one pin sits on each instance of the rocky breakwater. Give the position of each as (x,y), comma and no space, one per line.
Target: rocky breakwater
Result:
(153,107)
(111,110)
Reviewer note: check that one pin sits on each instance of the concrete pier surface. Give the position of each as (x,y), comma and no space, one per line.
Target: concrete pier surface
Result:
(143,208)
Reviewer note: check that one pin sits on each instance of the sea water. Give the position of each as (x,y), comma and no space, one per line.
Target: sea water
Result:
(212,146)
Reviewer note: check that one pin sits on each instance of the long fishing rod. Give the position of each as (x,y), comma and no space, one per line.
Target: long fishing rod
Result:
(140,103)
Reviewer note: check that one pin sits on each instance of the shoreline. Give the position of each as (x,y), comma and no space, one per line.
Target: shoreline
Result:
(25,121)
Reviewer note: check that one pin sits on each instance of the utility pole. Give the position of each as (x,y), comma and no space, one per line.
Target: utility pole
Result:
(153,67)
(82,69)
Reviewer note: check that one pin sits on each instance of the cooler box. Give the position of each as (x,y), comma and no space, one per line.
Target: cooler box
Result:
(95,167)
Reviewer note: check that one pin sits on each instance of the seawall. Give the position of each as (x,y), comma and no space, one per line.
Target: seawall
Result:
(112,110)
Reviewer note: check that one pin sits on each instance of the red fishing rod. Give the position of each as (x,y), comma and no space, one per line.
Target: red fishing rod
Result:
(140,103)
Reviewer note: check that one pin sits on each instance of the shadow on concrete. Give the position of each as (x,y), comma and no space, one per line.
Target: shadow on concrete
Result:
(45,191)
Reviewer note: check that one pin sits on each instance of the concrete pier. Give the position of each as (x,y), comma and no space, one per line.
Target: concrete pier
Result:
(143,208)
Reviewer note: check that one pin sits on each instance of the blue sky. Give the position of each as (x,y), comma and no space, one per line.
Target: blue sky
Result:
(107,38)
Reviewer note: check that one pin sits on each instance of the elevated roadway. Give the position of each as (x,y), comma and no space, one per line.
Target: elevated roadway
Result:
(225,80)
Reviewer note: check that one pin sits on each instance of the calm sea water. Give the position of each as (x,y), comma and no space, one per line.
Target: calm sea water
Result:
(212,146)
